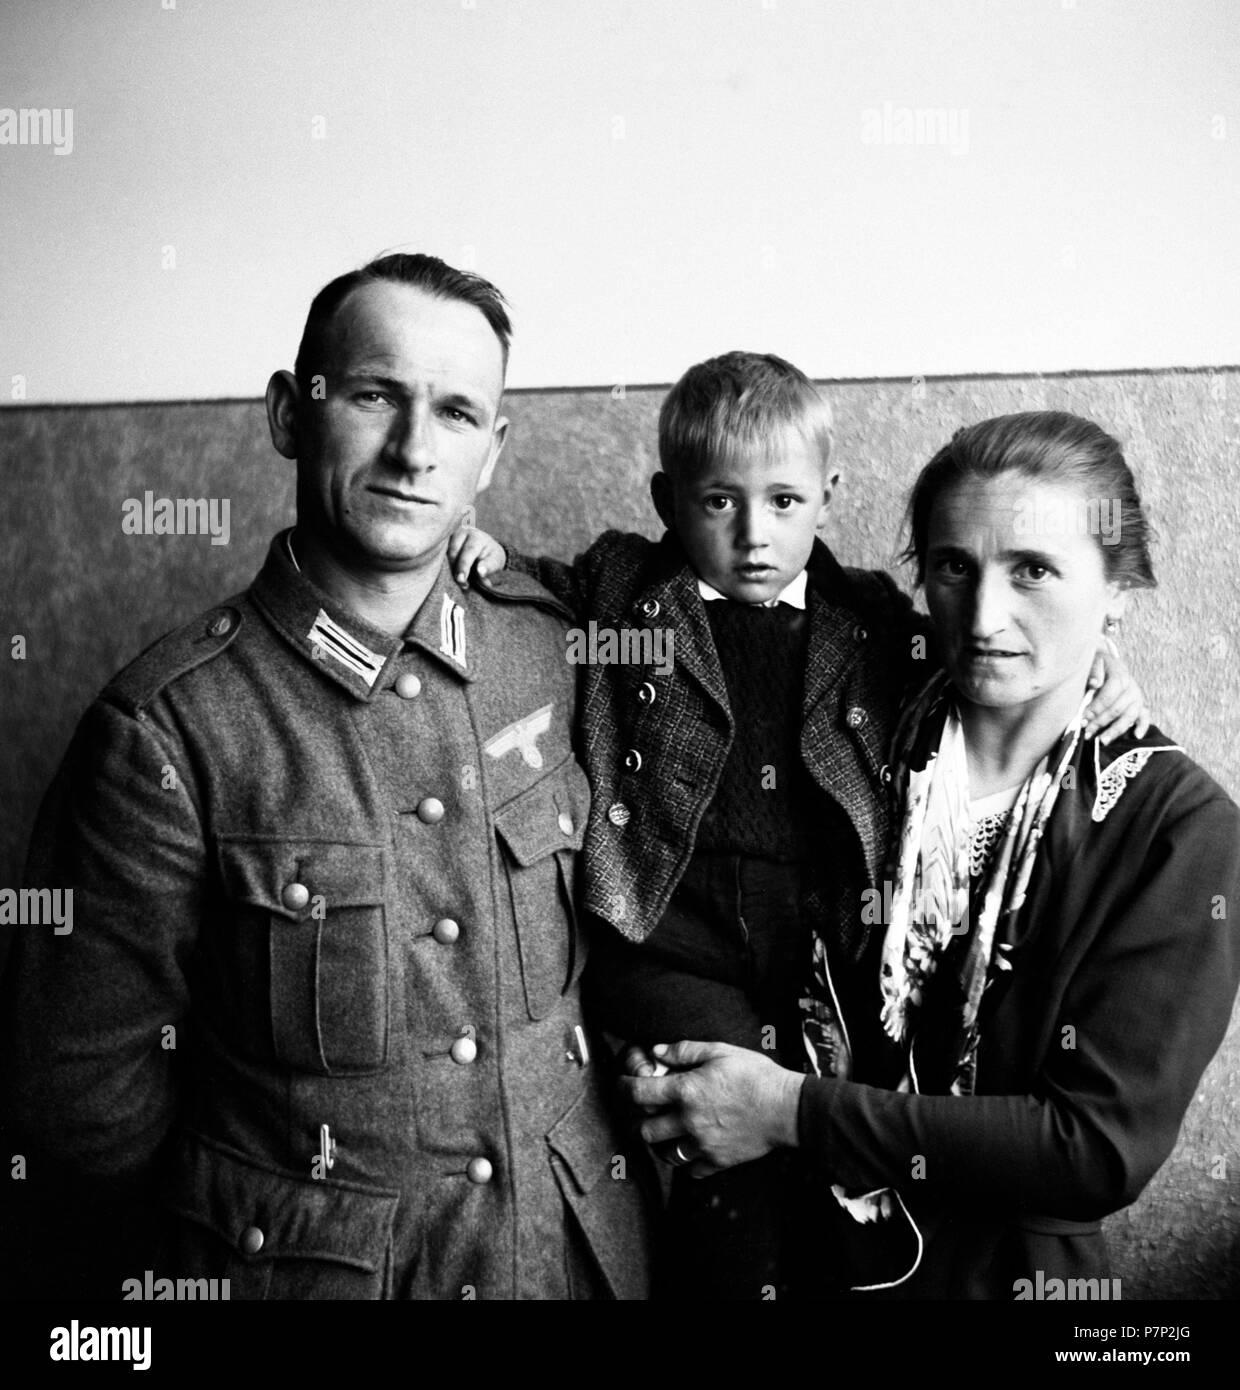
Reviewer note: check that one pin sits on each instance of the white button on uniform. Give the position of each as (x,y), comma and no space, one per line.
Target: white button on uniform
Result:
(566,823)
(446,931)
(464,1051)
(618,813)
(430,810)
(295,896)
(479,1170)
(408,685)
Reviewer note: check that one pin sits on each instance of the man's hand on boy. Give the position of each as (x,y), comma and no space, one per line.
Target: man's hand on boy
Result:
(471,551)
(1119,702)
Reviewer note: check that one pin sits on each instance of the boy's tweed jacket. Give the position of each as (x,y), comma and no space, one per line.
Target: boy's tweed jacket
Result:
(322,982)
(654,745)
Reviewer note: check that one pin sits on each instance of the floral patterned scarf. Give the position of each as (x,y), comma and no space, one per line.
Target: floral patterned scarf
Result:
(933,901)
(942,923)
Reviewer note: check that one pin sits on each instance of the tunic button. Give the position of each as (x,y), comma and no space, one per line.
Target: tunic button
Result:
(430,810)
(219,625)
(464,1050)
(479,1170)
(408,685)
(295,897)
(446,931)
(251,1240)
(884,775)
(565,823)
(860,634)
(647,693)
(633,761)
(618,813)
(855,717)
(650,608)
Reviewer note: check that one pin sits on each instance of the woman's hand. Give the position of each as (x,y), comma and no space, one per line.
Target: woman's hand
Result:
(726,1105)
(1119,702)
(471,551)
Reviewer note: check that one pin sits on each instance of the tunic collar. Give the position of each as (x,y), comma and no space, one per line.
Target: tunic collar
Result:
(345,648)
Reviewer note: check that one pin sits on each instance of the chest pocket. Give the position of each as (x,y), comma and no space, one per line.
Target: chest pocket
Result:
(317,908)
(541,830)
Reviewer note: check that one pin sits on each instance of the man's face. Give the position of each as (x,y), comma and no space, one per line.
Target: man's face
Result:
(408,433)
(747,523)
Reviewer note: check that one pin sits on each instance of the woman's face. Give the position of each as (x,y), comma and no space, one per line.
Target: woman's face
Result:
(1017,588)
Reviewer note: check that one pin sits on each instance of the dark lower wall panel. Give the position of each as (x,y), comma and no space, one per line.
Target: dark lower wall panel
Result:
(86,598)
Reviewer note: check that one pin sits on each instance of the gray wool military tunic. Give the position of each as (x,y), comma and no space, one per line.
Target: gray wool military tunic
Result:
(340,867)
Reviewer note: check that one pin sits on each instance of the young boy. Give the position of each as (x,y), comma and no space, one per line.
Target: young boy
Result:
(739,691)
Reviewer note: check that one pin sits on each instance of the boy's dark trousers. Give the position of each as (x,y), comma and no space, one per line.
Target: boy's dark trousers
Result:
(726,964)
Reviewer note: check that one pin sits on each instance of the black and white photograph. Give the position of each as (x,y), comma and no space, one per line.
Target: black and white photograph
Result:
(619,638)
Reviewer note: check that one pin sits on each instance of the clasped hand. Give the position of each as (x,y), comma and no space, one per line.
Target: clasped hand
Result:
(725,1105)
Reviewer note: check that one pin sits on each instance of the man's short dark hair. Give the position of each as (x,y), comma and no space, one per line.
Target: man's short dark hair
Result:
(422,272)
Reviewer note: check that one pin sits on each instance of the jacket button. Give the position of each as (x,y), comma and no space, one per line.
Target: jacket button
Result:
(855,717)
(219,625)
(446,931)
(479,1170)
(884,775)
(565,823)
(650,608)
(430,810)
(251,1241)
(647,693)
(633,761)
(463,1051)
(408,685)
(295,896)
(618,813)
(860,634)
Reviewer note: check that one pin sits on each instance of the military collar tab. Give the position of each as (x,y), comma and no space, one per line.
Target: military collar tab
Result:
(441,627)
(342,646)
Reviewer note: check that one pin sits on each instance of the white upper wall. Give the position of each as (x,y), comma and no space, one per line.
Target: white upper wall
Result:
(649,183)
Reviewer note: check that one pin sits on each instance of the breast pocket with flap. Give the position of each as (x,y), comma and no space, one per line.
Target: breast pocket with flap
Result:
(320,905)
(541,830)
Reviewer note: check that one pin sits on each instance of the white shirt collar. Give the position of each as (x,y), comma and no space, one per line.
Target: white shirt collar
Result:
(793,595)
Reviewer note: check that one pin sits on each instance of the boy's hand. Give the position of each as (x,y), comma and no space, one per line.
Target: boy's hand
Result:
(639,1062)
(1119,702)
(475,552)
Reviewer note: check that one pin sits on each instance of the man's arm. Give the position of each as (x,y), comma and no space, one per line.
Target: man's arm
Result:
(94,1018)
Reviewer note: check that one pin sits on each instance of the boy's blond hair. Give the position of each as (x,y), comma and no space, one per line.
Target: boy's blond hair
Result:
(742,400)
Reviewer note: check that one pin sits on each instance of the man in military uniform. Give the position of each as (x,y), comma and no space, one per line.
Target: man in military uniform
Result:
(316,1027)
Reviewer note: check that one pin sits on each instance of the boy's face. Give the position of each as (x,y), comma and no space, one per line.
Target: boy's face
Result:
(747,524)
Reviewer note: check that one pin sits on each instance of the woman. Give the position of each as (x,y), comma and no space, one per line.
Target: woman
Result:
(1058,962)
